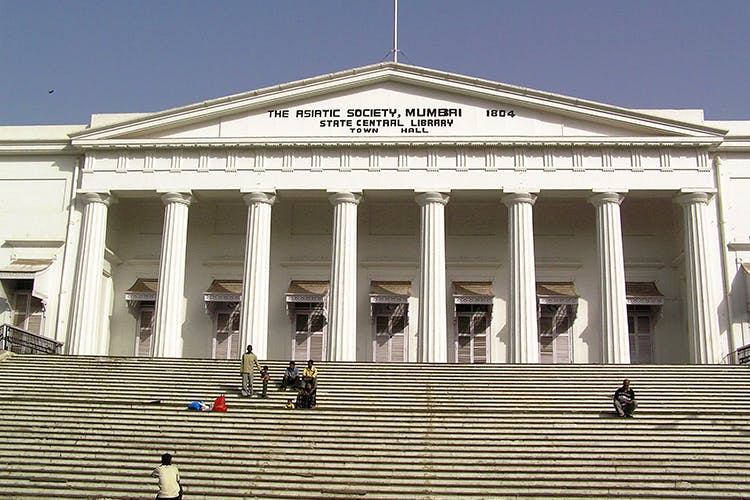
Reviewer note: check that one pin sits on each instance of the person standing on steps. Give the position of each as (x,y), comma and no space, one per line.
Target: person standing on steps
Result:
(169,479)
(249,364)
(624,400)
(265,377)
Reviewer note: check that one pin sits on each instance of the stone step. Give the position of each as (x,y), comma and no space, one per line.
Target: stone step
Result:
(362,421)
(305,487)
(82,427)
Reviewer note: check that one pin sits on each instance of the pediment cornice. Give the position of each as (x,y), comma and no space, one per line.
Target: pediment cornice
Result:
(653,127)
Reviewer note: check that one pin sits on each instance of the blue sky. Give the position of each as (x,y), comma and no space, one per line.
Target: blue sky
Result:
(137,56)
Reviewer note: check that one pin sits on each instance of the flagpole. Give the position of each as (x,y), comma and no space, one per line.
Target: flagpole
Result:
(395,31)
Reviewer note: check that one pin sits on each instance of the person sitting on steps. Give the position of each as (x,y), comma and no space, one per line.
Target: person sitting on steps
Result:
(169,479)
(305,397)
(624,400)
(291,377)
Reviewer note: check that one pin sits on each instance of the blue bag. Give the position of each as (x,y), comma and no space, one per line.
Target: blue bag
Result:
(195,405)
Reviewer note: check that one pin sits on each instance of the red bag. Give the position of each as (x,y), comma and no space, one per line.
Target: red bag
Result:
(220,404)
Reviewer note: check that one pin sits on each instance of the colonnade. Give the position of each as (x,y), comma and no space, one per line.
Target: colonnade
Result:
(432,314)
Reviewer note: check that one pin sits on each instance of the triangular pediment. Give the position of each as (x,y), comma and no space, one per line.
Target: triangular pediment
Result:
(391,103)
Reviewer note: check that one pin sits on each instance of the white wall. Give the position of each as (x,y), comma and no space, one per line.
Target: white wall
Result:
(735,188)
(36,192)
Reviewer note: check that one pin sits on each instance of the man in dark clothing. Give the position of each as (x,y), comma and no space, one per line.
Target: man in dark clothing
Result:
(624,400)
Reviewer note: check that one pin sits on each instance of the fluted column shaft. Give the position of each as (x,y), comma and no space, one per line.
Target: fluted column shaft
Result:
(611,266)
(86,307)
(170,297)
(701,304)
(432,319)
(524,342)
(342,295)
(256,276)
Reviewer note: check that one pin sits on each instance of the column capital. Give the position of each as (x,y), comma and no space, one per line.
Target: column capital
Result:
(692,197)
(514,198)
(172,197)
(96,197)
(259,197)
(345,197)
(432,197)
(600,199)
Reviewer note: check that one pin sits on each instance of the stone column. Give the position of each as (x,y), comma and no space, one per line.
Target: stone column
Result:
(611,266)
(170,297)
(522,309)
(342,296)
(256,276)
(432,319)
(702,310)
(85,309)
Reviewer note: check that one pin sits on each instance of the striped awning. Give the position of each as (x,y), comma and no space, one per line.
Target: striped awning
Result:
(643,293)
(473,292)
(223,291)
(21,269)
(307,291)
(390,292)
(557,292)
(143,290)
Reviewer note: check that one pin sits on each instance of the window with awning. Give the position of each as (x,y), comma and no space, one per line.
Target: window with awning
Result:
(644,301)
(389,301)
(557,309)
(306,304)
(141,297)
(25,288)
(222,299)
(473,311)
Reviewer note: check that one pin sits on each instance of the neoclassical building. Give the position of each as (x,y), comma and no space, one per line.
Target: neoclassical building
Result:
(385,213)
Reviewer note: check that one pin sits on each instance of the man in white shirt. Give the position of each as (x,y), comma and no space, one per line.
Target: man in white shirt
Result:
(169,479)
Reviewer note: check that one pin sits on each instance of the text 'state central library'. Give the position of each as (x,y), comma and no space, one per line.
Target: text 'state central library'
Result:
(385,213)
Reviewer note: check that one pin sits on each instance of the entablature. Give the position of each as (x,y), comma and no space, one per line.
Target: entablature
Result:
(435,141)
(606,157)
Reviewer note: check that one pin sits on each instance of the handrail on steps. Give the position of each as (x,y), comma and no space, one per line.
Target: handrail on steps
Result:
(20,341)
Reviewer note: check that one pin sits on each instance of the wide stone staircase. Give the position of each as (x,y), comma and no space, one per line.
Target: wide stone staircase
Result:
(95,427)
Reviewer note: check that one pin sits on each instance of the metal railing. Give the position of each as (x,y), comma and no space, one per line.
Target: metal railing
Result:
(743,355)
(22,342)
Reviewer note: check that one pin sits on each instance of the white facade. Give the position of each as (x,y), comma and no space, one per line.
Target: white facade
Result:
(385,213)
